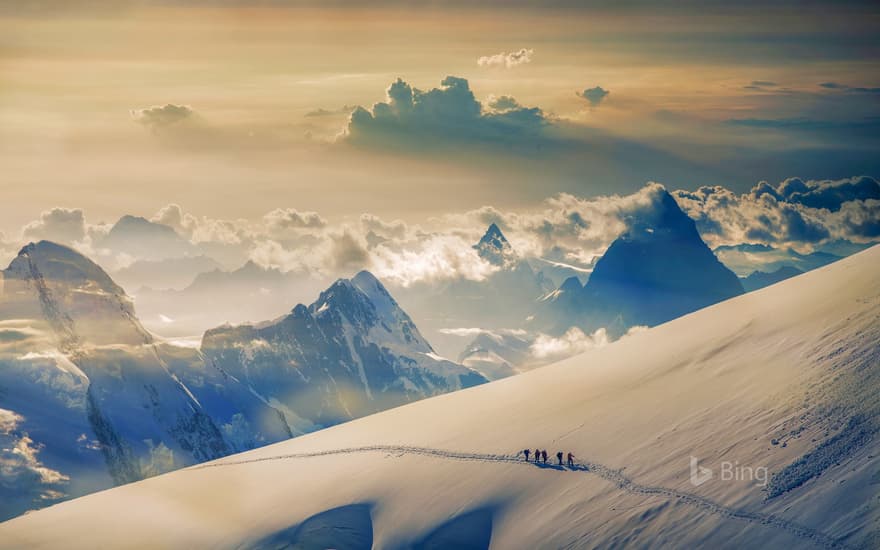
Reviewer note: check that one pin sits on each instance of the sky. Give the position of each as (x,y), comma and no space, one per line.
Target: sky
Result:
(415,112)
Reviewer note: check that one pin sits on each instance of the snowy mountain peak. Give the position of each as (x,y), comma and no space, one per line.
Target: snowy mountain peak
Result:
(79,301)
(495,248)
(365,303)
(61,264)
(665,217)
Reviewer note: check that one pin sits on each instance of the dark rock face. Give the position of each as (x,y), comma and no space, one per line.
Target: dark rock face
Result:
(659,269)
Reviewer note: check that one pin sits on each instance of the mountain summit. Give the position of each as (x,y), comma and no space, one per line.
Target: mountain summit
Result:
(495,248)
(72,294)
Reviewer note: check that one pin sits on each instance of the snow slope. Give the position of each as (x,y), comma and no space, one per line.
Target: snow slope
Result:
(784,378)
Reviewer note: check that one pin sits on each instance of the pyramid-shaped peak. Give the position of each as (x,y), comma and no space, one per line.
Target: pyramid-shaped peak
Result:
(664,215)
(495,248)
(494,237)
(571,284)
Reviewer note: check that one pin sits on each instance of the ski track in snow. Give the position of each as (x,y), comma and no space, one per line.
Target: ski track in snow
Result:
(622,482)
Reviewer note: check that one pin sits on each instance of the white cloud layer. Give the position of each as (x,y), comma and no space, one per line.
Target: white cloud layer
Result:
(564,228)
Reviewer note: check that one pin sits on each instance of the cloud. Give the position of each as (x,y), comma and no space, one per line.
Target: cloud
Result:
(813,125)
(565,228)
(9,420)
(594,95)
(20,466)
(503,103)
(761,85)
(8,250)
(507,60)
(378,230)
(431,259)
(158,117)
(573,342)
(797,213)
(829,194)
(449,115)
(346,252)
(344,110)
(471,332)
(204,229)
(63,225)
(837,86)
(286,219)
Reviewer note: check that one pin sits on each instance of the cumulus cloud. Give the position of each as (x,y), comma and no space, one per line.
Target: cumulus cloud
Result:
(377,230)
(449,114)
(503,103)
(200,229)
(20,465)
(345,251)
(564,229)
(158,117)
(287,219)
(507,60)
(829,194)
(594,95)
(795,212)
(573,342)
(435,258)
(63,225)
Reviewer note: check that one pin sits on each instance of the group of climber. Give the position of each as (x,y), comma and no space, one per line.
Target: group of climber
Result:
(541,456)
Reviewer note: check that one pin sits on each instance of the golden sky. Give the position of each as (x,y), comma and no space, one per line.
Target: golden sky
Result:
(694,97)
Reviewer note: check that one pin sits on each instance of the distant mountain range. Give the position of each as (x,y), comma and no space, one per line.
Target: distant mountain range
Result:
(91,399)
(249,293)
(747,258)
(140,238)
(759,279)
